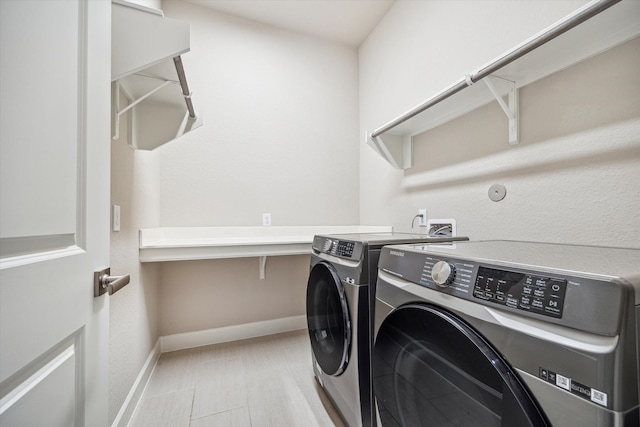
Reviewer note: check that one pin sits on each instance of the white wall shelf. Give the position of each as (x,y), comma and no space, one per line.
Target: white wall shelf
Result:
(592,29)
(197,243)
(146,66)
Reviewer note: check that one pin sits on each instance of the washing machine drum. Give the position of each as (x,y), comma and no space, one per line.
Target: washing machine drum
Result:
(328,319)
(430,368)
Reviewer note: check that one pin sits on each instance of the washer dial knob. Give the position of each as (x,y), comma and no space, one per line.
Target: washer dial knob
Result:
(443,273)
(326,248)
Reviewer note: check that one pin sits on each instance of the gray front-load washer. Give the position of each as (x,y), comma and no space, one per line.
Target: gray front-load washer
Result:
(503,333)
(340,297)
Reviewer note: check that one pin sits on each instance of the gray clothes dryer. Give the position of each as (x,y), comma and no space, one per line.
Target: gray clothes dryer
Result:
(340,297)
(503,333)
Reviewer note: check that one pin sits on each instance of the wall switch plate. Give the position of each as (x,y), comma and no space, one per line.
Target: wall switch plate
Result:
(266,220)
(422,218)
(116,218)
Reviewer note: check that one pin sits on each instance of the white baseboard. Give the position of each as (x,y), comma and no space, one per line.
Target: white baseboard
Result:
(231,333)
(135,394)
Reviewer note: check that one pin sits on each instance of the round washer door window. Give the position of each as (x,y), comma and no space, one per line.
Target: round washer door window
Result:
(431,368)
(328,319)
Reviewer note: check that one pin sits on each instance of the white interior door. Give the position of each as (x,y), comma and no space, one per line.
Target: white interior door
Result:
(54,211)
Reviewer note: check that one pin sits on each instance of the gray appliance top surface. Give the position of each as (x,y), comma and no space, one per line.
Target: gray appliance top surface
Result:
(390,238)
(592,260)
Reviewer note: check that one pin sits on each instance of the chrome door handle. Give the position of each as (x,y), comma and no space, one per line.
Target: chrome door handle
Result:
(103,282)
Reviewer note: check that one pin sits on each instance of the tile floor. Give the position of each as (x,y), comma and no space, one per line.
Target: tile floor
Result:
(266,381)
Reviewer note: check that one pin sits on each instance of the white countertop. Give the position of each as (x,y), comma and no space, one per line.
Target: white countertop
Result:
(193,243)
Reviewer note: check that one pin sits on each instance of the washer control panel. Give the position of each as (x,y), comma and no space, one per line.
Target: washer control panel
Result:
(533,293)
(528,291)
(338,248)
(538,294)
(591,302)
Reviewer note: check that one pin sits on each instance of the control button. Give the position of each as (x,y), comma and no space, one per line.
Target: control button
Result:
(443,273)
(327,245)
(544,374)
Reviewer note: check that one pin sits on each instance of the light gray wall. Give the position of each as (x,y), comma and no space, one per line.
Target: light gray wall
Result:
(201,295)
(569,180)
(133,310)
(280,135)
(280,123)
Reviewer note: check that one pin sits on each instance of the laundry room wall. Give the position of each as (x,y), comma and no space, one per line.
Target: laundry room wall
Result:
(133,311)
(280,135)
(569,179)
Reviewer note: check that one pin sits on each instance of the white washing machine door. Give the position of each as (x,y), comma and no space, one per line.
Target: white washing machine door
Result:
(430,368)
(328,319)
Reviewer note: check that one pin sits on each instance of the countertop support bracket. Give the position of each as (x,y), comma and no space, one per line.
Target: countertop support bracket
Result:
(510,109)
(263,267)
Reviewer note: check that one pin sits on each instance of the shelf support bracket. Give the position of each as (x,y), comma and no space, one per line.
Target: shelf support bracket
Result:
(396,149)
(120,112)
(510,109)
(263,266)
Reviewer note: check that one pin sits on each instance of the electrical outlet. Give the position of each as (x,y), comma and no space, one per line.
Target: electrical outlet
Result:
(266,220)
(422,217)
